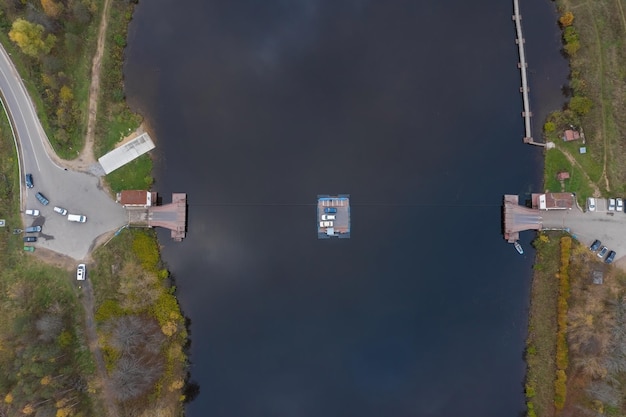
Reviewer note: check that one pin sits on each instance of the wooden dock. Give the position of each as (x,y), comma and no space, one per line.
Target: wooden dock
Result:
(523,65)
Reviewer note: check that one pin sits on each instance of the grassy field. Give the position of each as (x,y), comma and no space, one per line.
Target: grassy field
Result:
(115,119)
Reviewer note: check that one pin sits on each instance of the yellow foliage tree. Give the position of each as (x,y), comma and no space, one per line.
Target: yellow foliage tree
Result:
(65,94)
(51,8)
(28,409)
(46,380)
(64,412)
(29,37)
(169,328)
(177,384)
(8,399)
(567,19)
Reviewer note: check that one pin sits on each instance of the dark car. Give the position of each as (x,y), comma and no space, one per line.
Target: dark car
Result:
(330,210)
(610,257)
(30,239)
(595,245)
(32,229)
(603,252)
(42,199)
(29,181)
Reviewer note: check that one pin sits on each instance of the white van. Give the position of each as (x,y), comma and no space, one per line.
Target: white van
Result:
(76,218)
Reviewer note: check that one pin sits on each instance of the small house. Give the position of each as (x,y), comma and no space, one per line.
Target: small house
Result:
(552,201)
(136,198)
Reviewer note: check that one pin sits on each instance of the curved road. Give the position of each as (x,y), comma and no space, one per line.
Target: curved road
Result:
(78,192)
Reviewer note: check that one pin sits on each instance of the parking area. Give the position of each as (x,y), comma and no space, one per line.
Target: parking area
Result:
(601,205)
(607,226)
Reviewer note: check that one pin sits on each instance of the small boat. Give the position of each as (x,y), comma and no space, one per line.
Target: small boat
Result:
(519,248)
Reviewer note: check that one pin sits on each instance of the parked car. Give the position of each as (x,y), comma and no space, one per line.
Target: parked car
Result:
(330,210)
(611,204)
(595,245)
(326,224)
(30,239)
(591,204)
(60,210)
(32,229)
(620,204)
(610,257)
(32,212)
(81,272)
(77,218)
(29,248)
(29,181)
(42,199)
(603,252)
(328,217)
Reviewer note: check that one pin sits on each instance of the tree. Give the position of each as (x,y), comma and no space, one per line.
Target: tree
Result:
(30,38)
(66,95)
(49,326)
(580,105)
(51,8)
(566,19)
(549,127)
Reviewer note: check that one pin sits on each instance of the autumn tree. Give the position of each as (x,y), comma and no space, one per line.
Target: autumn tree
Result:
(51,8)
(572,43)
(566,19)
(66,95)
(30,38)
(580,105)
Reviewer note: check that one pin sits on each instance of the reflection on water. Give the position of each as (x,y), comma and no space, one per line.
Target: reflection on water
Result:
(413,109)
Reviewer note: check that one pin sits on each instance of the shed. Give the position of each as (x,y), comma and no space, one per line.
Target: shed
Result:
(563,175)
(570,135)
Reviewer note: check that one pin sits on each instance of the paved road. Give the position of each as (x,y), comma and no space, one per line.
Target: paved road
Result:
(78,192)
(609,227)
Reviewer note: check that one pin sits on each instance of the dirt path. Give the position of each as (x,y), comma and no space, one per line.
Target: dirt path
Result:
(602,91)
(86,157)
(94,347)
(84,160)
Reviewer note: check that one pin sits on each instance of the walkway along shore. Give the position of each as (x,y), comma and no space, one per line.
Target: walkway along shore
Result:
(522,64)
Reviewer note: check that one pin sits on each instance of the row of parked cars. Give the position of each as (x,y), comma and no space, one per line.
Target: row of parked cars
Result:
(614,204)
(602,250)
(44,201)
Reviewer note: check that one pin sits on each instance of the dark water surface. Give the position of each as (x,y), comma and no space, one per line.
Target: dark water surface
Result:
(412,108)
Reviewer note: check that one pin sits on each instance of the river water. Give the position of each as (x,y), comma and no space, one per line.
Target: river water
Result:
(411,107)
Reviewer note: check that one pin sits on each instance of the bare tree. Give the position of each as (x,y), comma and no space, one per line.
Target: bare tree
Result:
(49,326)
(134,375)
(604,392)
(130,333)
